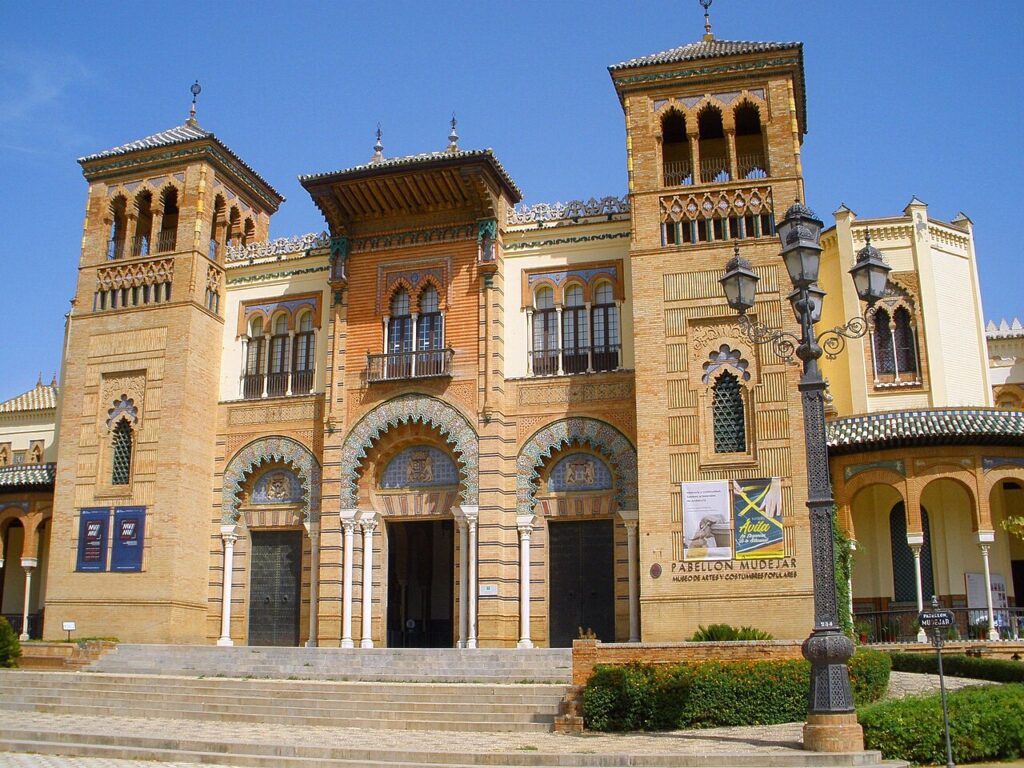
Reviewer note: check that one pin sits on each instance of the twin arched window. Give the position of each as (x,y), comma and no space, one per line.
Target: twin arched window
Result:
(894,344)
(586,339)
(414,342)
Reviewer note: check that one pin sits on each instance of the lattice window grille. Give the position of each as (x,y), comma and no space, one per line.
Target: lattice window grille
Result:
(121,465)
(727,415)
(904,580)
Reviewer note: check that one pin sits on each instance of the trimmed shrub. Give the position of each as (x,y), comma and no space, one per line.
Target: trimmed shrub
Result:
(726,632)
(715,693)
(960,665)
(10,648)
(869,675)
(986,724)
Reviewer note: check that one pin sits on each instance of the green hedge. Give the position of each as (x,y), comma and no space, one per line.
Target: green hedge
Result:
(715,693)
(10,648)
(961,665)
(986,724)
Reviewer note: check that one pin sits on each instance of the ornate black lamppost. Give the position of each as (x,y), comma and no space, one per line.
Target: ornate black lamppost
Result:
(827,648)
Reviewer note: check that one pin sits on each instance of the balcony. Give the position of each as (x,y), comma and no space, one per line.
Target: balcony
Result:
(166,241)
(714,170)
(678,173)
(256,386)
(564,362)
(751,166)
(422,364)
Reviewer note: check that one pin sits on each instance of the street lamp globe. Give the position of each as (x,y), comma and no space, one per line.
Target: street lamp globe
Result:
(800,232)
(870,273)
(739,282)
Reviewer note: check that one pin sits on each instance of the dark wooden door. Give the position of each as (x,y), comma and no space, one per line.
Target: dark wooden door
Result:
(582,580)
(275,587)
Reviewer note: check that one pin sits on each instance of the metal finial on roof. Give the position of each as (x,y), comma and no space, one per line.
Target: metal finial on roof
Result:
(39,381)
(378,147)
(453,137)
(196,89)
(708,36)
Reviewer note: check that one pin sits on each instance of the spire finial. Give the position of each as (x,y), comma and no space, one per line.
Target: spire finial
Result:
(196,89)
(708,36)
(867,236)
(453,137)
(378,147)
(39,381)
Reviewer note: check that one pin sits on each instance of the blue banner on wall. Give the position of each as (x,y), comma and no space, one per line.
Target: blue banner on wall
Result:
(92,539)
(129,530)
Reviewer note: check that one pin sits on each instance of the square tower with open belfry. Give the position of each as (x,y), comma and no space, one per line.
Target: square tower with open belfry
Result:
(143,354)
(713,150)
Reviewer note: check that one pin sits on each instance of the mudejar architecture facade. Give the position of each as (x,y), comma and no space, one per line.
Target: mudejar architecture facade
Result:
(451,419)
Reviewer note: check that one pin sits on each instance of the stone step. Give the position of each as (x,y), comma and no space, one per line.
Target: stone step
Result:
(267,755)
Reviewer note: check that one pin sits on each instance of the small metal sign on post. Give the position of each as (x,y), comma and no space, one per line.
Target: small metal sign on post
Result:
(936,621)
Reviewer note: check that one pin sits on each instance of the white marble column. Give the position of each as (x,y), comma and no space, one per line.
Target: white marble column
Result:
(849,579)
(348,527)
(313,529)
(631,519)
(28,564)
(368,522)
(228,537)
(558,337)
(471,514)
(916,543)
(460,521)
(985,539)
(529,341)
(525,525)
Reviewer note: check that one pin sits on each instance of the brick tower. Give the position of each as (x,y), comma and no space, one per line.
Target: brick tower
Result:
(713,149)
(142,359)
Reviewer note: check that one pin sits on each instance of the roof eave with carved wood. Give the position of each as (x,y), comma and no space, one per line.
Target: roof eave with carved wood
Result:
(710,59)
(931,427)
(170,148)
(399,186)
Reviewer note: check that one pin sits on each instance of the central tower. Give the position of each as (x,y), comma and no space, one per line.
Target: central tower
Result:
(713,149)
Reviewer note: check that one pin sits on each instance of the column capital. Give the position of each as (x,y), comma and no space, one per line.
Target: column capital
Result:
(525,524)
(368,521)
(28,563)
(471,512)
(915,539)
(985,537)
(629,515)
(312,528)
(228,532)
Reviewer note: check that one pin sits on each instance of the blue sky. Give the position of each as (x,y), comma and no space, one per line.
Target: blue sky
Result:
(918,97)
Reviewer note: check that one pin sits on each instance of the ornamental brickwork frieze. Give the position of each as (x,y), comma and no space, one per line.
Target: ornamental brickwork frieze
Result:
(574,392)
(274,414)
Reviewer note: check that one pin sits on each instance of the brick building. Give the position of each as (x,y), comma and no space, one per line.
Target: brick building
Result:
(453,419)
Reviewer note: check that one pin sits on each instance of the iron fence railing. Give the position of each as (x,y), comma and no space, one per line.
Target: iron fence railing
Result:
(600,357)
(35,624)
(751,166)
(970,624)
(678,173)
(714,169)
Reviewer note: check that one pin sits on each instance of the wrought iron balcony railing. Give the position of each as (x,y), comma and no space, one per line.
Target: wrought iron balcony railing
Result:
(678,173)
(421,364)
(571,360)
(714,169)
(751,166)
(166,241)
(256,386)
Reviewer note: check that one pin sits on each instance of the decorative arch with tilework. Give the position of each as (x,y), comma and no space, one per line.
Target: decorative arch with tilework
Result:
(284,449)
(600,436)
(411,409)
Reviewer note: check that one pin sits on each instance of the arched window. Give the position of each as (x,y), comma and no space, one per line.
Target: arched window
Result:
(430,334)
(675,149)
(545,332)
(143,223)
(121,453)
(750,153)
(714,156)
(574,330)
(302,359)
(605,327)
(234,230)
(248,232)
(255,361)
(168,239)
(118,227)
(277,383)
(217,224)
(905,344)
(904,578)
(400,340)
(885,358)
(727,413)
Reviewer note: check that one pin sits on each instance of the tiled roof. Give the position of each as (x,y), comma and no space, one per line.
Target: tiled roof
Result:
(43,397)
(948,426)
(181,134)
(421,159)
(709,49)
(19,475)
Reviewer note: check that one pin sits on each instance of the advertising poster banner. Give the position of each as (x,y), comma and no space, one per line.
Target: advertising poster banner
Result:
(92,539)
(757,507)
(129,526)
(707,531)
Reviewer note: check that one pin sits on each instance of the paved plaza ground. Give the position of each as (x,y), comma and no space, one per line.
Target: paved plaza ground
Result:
(747,740)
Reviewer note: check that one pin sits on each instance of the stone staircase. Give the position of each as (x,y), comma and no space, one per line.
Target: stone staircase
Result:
(400,665)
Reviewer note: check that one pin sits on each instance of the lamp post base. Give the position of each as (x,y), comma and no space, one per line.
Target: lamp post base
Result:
(833,733)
